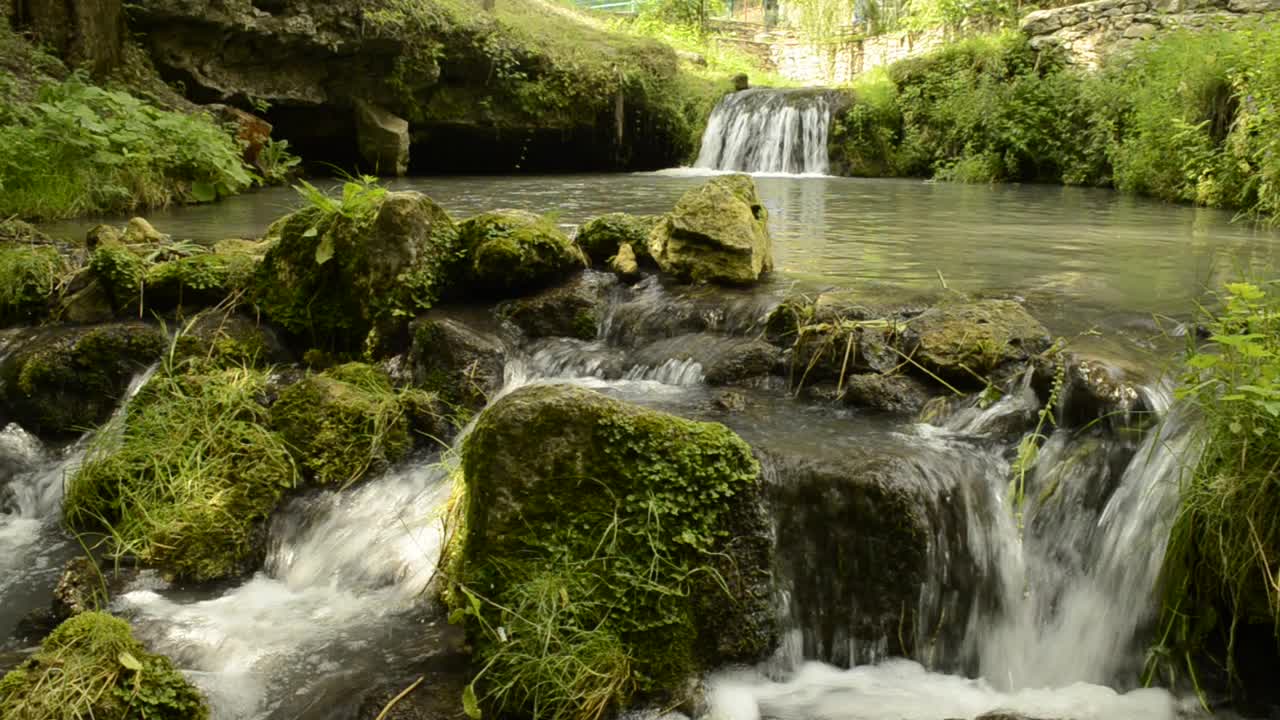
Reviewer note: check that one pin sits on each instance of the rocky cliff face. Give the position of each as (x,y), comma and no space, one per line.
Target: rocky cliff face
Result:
(518,87)
(1087,32)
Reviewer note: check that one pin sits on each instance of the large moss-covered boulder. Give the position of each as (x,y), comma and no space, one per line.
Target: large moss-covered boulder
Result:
(190,477)
(333,277)
(230,338)
(628,539)
(344,424)
(91,666)
(601,238)
(58,382)
(513,252)
(968,341)
(29,275)
(718,232)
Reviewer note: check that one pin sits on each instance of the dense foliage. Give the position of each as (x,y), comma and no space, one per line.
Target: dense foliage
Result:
(1190,117)
(1220,588)
(82,149)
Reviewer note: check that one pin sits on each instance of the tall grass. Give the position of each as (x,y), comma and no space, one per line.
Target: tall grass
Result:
(182,479)
(1222,568)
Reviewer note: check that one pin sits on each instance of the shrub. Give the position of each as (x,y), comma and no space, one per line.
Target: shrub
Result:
(28,277)
(82,149)
(92,667)
(1225,543)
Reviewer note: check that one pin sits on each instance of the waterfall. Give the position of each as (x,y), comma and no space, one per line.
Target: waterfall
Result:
(763,130)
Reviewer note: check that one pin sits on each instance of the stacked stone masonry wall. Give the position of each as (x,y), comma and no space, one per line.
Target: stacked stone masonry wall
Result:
(1091,31)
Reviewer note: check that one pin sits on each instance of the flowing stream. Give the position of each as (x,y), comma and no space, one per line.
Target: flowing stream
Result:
(1040,607)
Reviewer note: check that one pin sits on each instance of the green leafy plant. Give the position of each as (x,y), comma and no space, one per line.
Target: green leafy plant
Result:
(81,148)
(1220,571)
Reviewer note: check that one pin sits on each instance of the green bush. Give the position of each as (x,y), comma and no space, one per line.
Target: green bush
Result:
(92,667)
(185,478)
(83,149)
(1225,543)
(1189,117)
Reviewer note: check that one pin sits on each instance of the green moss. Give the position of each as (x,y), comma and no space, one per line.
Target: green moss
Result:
(342,269)
(188,476)
(600,237)
(72,379)
(205,278)
(28,278)
(343,424)
(91,666)
(513,252)
(121,271)
(629,507)
(227,339)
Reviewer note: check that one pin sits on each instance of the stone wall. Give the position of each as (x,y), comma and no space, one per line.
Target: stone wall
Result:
(1090,31)
(838,62)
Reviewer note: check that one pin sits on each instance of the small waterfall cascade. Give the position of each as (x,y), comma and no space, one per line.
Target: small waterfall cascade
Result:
(766,130)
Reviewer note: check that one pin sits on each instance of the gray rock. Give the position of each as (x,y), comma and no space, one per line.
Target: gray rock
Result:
(718,232)
(888,393)
(573,309)
(382,138)
(724,360)
(457,357)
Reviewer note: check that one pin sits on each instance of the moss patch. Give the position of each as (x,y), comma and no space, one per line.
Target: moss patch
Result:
(185,481)
(343,424)
(601,237)
(91,666)
(598,524)
(29,274)
(513,252)
(63,381)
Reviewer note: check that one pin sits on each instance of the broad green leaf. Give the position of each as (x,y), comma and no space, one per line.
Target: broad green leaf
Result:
(204,191)
(130,662)
(311,232)
(470,705)
(457,616)
(324,251)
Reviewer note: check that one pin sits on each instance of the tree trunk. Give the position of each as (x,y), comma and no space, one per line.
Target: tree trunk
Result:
(85,33)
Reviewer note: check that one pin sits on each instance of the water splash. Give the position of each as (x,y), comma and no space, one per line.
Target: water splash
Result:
(763,130)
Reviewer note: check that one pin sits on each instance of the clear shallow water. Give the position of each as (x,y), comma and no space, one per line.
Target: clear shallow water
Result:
(1079,256)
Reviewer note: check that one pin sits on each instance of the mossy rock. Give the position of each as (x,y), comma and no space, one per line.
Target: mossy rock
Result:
(630,513)
(343,424)
(19,232)
(718,232)
(968,341)
(600,238)
(190,477)
(121,273)
(228,338)
(514,252)
(92,666)
(573,309)
(59,382)
(456,359)
(29,275)
(888,393)
(331,279)
(203,279)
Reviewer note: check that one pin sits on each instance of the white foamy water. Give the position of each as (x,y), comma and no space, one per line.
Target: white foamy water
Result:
(763,130)
(904,690)
(343,569)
